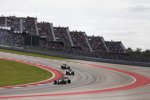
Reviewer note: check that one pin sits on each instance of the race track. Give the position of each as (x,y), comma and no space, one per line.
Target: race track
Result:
(92,81)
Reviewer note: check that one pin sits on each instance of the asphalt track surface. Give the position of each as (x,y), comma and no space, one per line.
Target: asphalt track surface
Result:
(92,81)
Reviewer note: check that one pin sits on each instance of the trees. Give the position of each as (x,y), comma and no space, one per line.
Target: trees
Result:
(129,50)
(139,54)
(138,50)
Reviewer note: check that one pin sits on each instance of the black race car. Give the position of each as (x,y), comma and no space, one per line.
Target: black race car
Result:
(64,80)
(65,66)
(70,72)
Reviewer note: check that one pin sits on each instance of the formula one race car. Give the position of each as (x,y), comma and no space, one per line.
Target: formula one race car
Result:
(65,66)
(64,80)
(70,72)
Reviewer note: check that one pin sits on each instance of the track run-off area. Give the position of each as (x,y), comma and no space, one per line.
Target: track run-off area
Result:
(92,81)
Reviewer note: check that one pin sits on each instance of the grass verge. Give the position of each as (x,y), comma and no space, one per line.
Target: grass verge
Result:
(15,73)
(31,54)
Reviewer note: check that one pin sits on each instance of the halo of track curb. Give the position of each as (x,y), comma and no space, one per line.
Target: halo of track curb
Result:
(140,81)
(56,74)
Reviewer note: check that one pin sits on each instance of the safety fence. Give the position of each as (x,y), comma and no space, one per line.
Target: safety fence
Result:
(73,56)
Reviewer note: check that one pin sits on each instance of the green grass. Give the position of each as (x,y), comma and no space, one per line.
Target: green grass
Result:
(14,73)
(30,54)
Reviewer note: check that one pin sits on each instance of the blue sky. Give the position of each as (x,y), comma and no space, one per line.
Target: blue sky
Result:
(119,20)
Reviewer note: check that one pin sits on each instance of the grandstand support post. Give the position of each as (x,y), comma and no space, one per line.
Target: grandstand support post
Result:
(52,30)
(5,21)
(87,41)
(123,47)
(36,27)
(31,40)
(21,26)
(105,44)
(70,39)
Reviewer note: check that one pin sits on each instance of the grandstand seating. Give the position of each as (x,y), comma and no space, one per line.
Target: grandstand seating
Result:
(98,44)
(115,46)
(29,25)
(14,23)
(3,21)
(21,31)
(45,31)
(62,35)
(79,40)
(6,38)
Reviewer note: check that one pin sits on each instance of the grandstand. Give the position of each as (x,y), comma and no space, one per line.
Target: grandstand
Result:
(27,31)
(80,41)
(98,44)
(46,30)
(115,46)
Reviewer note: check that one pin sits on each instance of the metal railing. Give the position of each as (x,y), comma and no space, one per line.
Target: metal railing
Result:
(73,56)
